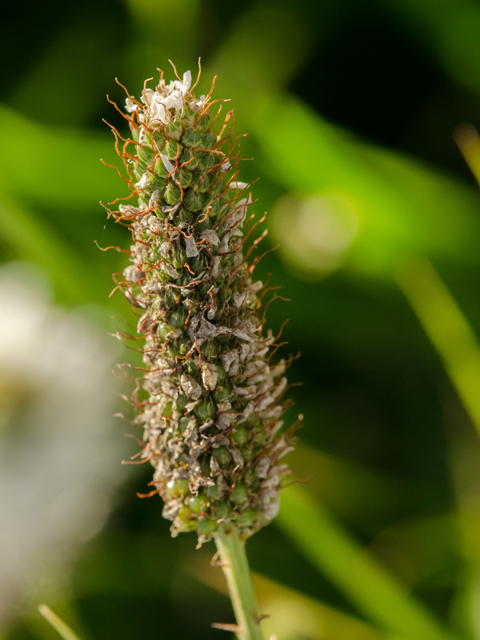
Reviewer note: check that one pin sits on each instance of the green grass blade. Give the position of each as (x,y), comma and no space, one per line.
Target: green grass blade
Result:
(59,625)
(369,586)
(447,328)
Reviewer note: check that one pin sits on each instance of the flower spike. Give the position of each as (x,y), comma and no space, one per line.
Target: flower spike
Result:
(209,402)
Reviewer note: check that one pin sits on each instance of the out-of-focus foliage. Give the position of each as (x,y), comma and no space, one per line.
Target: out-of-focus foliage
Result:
(350,108)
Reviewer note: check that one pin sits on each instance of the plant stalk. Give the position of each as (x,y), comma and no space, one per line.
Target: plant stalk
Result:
(237,573)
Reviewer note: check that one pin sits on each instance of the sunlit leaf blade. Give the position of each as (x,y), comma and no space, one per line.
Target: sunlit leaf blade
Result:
(59,625)
(375,592)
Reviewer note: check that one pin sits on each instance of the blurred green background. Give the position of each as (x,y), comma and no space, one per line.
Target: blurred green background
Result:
(350,107)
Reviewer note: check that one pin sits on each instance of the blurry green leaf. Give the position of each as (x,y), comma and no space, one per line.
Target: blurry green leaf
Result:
(468,141)
(65,90)
(158,15)
(369,586)
(164,30)
(59,625)
(447,328)
(402,206)
(450,28)
(351,490)
(421,550)
(55,165)
(33,239)
(257,55)
(291,614)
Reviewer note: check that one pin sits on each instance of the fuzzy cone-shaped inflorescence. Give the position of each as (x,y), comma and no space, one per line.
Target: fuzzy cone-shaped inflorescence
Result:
(213,404)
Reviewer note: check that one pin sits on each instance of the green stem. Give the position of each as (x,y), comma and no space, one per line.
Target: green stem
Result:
(237,573)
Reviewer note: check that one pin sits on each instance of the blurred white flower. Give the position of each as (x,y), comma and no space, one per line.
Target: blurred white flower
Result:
(59,449)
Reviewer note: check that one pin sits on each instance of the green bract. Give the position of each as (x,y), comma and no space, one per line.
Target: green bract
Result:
(212,409)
